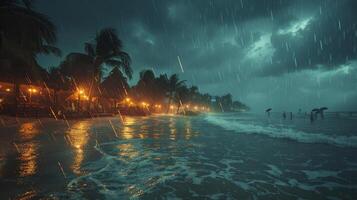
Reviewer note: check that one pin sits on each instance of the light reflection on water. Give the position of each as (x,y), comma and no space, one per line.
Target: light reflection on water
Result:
(163,157)
(128,151)
(188,129)
(78,136)
(28,150)
(172,127)
(128,131)
(140,142)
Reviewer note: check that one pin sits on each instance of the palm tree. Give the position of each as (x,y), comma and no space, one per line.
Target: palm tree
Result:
(174,84)
(182,96)
(161,88)
(194,93)
(105,50)
(56,81)
(115,85)
(146,87)
(24,33)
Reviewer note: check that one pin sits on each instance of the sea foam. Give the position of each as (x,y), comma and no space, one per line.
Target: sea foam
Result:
(281,132)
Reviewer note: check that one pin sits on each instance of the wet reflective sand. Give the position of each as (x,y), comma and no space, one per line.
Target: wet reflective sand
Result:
(163,157)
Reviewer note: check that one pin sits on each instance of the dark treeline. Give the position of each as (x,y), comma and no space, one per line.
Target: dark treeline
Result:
(156,90)
(25,33)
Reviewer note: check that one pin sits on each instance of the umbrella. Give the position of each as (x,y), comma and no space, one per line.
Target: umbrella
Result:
(315,110)
(268,110)
(324,108)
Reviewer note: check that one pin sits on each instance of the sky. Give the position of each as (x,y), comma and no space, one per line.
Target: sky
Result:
(283,54)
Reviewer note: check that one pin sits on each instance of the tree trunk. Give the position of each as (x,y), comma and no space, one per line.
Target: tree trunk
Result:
(169,105)
(178,108)
(96,79)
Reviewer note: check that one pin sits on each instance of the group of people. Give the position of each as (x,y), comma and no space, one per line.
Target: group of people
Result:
(313,114)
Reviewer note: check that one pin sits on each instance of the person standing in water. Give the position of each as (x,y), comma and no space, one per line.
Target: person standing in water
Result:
(312,116)
(291,115)
(268,111)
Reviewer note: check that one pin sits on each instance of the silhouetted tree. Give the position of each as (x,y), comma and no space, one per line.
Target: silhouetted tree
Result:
(105,50)
(174,84)
(115,85)
(24,33)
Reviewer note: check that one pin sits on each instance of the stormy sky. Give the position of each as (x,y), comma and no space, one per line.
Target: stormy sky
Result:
(284,54)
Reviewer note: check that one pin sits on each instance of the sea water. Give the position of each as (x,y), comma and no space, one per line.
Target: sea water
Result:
(215,156)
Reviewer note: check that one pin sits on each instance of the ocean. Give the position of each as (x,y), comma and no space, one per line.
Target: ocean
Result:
(212,156)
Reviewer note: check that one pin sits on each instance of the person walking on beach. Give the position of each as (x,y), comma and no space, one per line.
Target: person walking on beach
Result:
(284,115)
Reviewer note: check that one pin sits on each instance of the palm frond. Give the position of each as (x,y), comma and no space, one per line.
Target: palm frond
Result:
(107,42)
(47,49)
(27,27)
(122,60)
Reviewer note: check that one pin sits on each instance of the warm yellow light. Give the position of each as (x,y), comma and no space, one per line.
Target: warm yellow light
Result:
(159,106)
(81,91)
(195,107)
(187,106)
(1,100)
(127,100)
(8,90)
(171,107)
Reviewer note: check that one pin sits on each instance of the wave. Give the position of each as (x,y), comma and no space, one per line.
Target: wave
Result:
(282,132)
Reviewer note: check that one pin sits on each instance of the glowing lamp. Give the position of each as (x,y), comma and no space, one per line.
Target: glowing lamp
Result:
(81,91)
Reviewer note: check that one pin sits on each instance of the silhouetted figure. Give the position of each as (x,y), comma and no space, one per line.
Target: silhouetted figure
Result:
(291,115)
(315,111)
(284,115)
(268,111)
(321,111)
(312,116)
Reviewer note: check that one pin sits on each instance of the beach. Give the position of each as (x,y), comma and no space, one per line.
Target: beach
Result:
(215,156)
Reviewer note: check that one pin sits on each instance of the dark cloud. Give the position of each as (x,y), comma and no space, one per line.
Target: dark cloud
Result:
(329,39)
(263,51)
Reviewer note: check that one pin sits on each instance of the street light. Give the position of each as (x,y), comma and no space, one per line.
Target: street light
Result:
(80,92)
(31,90)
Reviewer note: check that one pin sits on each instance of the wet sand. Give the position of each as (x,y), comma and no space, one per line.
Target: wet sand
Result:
(161,157)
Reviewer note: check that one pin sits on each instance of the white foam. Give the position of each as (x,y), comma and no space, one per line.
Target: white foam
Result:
(320,174)
(281,132)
